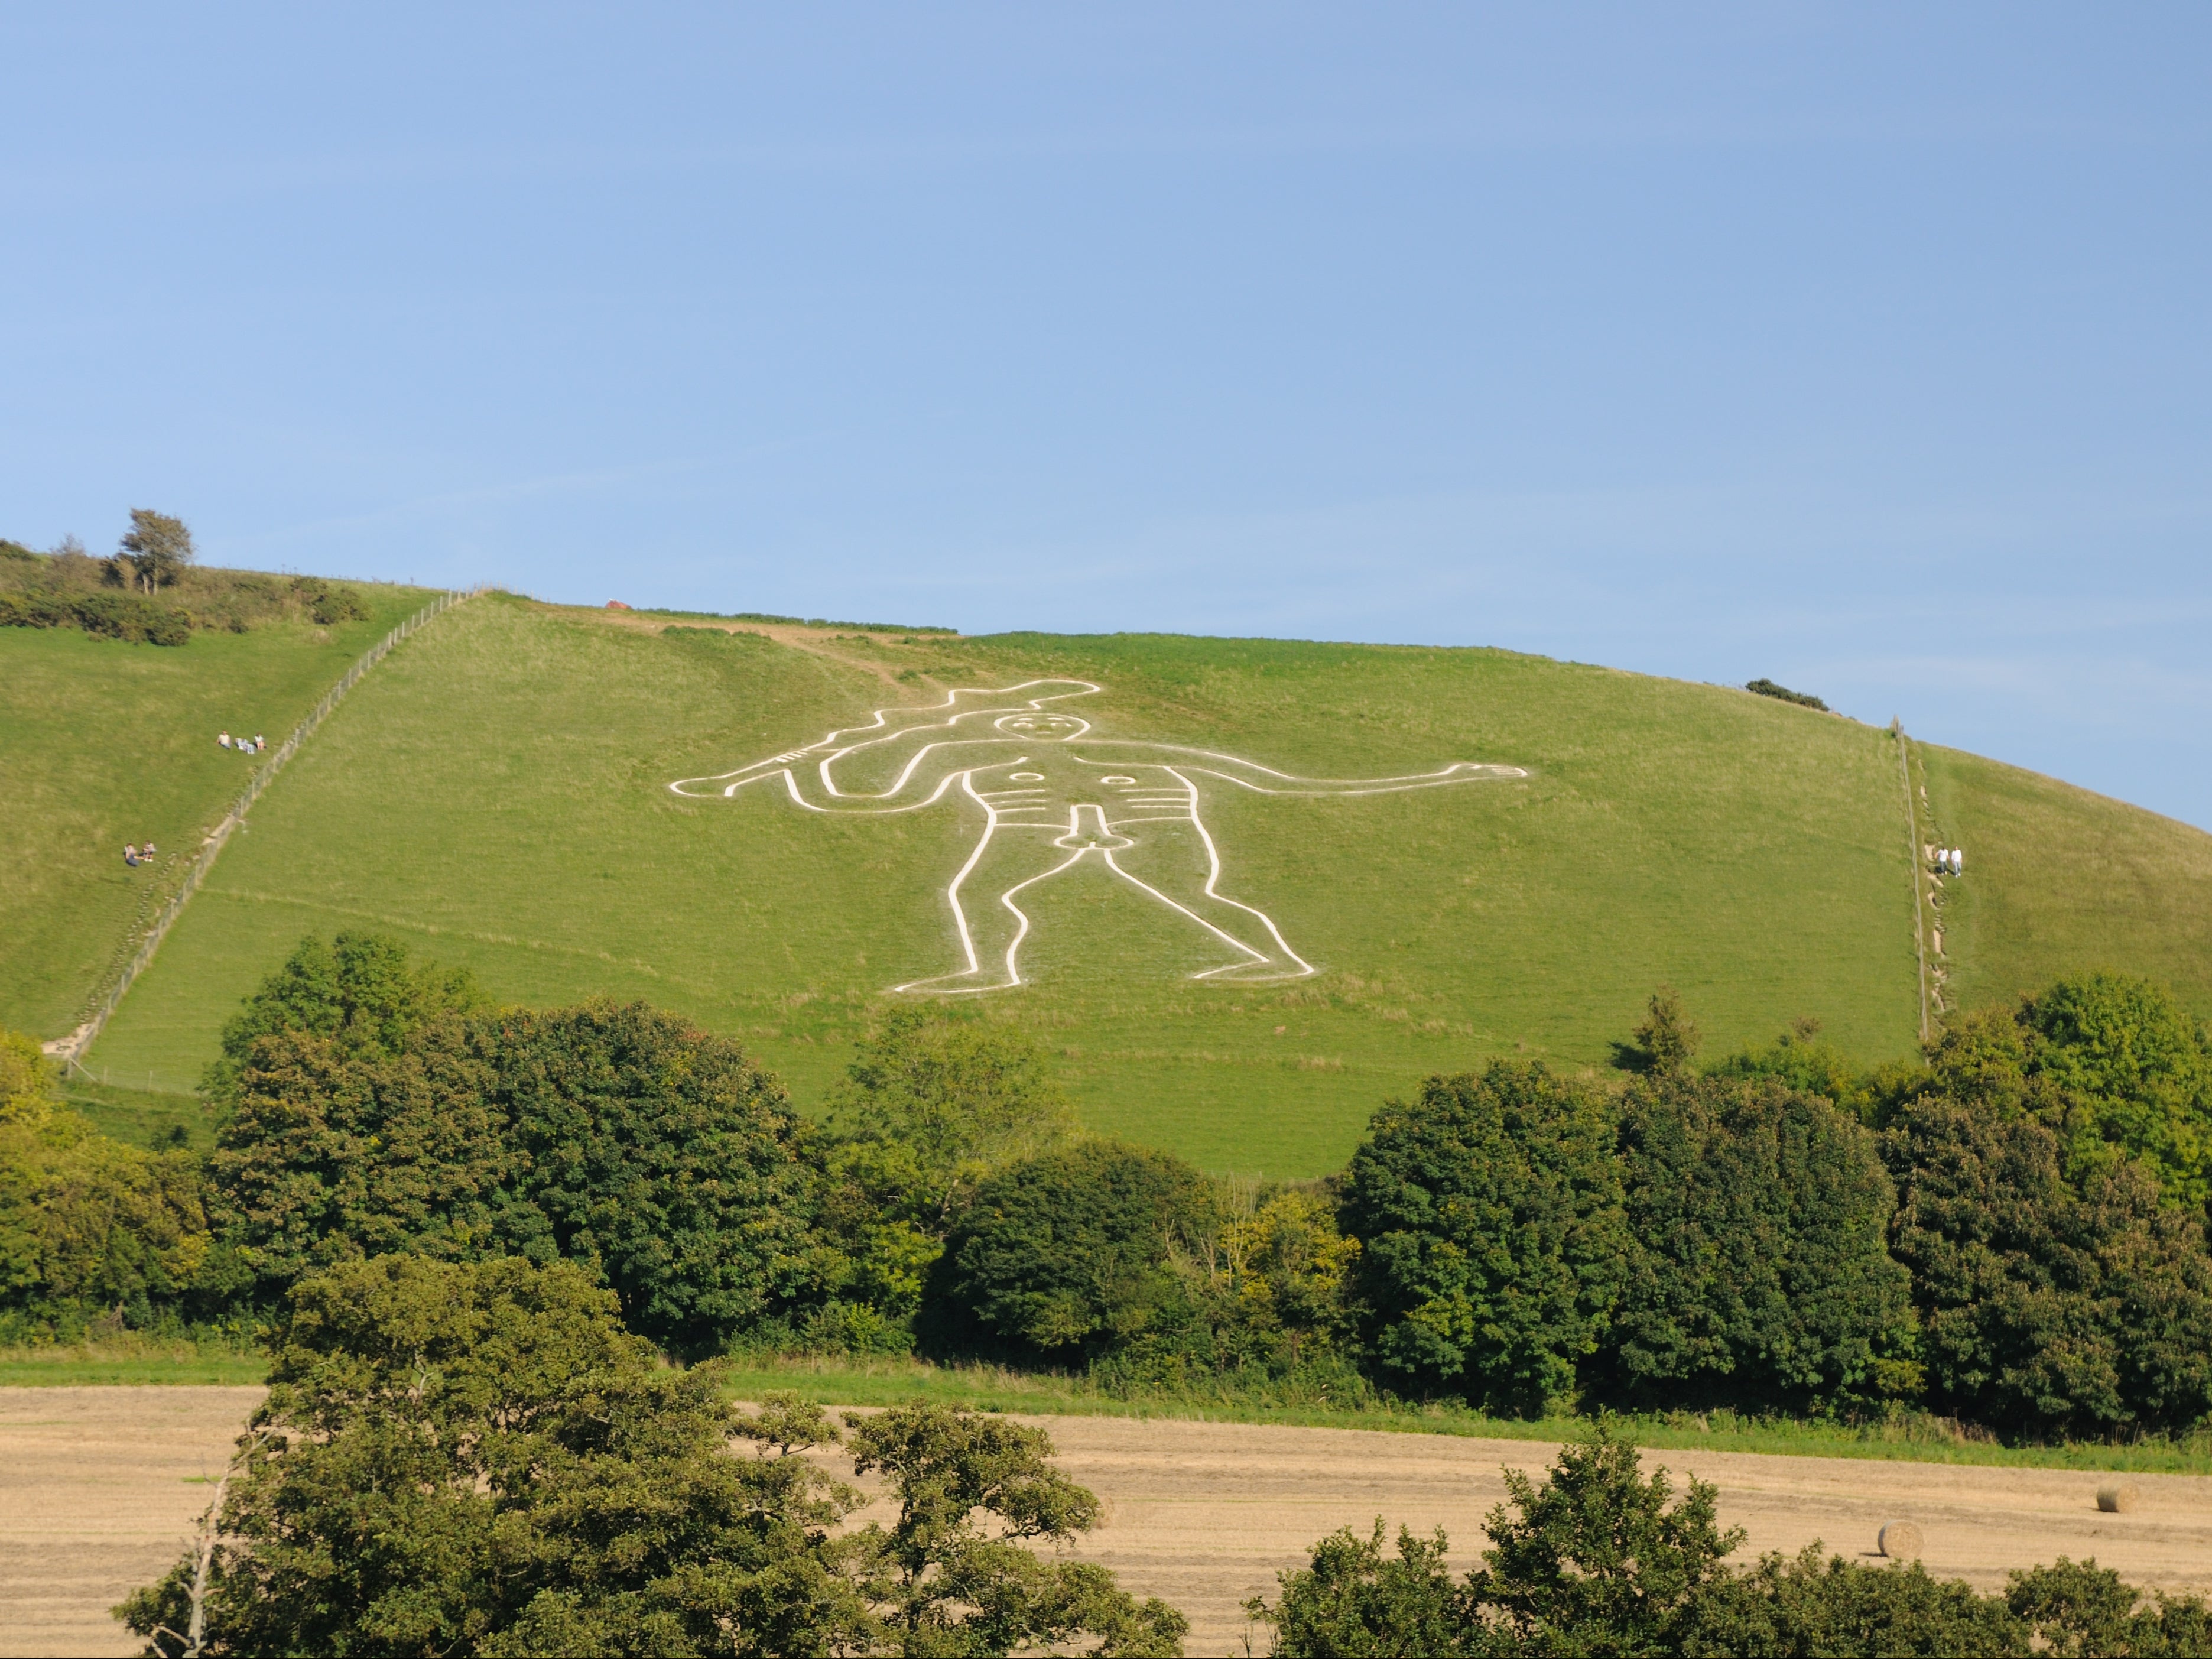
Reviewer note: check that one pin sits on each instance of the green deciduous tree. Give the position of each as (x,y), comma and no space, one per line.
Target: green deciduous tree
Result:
(338,1146)
(89,1228)
(662,1157)
(476,1459)
(2134,1075)
(1759,1274)
(2046,1312)
(371,1105)
(155,547)
(1493,1243)
(1801,1606)
(956,1574)
(959,1095)
(1352,1601)
(1066,1255)
(479,1459)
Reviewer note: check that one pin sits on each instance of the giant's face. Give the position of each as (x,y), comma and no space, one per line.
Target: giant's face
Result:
(1046,728)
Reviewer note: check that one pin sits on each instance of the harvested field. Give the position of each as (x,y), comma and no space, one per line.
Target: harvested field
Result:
(99,1487)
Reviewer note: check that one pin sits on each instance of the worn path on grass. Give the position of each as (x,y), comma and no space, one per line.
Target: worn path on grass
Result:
(99,1488)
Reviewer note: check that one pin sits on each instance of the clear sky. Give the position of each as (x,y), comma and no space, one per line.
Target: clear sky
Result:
(1865,346)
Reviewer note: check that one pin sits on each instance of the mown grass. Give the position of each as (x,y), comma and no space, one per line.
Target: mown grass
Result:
(891,1382)
(495,794)
(2059,880)
(129,1360)
(158,1120)
(103,742)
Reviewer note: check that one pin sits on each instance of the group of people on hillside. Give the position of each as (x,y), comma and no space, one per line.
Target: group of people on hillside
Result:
(244,745)
(134,855)
(1950,861)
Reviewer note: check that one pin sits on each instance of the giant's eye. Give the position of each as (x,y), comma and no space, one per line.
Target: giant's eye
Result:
(1025,777)
(1117,780)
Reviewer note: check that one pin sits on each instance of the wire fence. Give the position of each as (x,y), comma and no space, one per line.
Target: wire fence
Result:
(71,1049)
(1913,839)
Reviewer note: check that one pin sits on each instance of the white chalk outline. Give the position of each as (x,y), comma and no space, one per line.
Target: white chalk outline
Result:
(1089,832)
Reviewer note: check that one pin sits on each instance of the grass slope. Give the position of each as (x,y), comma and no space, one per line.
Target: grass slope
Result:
(495,793)
(2059,880)
(103,742)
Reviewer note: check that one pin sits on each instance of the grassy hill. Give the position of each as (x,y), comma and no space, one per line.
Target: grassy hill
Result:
(495,793)
(103,742)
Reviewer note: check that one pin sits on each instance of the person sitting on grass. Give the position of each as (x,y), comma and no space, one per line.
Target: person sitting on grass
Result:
(224,737)
(131,853)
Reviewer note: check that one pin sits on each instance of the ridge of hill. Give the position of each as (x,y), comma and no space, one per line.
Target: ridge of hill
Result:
(497,794)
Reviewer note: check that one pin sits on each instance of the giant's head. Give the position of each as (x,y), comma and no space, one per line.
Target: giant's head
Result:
(1040,726)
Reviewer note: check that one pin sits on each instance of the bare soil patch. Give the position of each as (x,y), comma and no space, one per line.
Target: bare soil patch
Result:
(99,1488)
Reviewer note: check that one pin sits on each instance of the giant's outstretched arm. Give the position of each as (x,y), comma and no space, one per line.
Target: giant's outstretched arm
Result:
(1266,781)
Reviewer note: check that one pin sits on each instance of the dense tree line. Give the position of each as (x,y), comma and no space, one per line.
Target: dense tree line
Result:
(2011,1232)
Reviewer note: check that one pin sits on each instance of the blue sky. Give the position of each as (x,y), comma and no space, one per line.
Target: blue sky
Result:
(1864,347)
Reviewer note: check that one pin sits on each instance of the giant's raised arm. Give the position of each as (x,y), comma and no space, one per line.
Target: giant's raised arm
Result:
(1266,781)
(919,745)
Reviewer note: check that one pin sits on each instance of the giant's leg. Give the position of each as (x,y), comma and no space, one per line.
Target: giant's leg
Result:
(988,921)
(1176,862)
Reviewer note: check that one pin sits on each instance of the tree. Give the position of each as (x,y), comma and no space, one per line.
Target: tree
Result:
(2045,1313)
(1596,1563)
(955,1575)
(962,1098)
(2134,1075)
(1065,1254)
(1787,1606)
(931,1104)
(1759,1274)
(89,1227)
(361,991)
(155,547)
(478,1458)
(1493,1244)
(338,1146)
(1351,1601)
(665,1159)
(1668,1039)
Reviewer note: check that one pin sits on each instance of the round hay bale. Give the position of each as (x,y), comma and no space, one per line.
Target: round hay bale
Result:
(2119,1497)
(1900,1540)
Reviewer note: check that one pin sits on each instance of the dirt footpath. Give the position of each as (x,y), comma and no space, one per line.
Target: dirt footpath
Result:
(99,1488)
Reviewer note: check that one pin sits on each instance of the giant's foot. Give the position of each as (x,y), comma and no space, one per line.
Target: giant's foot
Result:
(954,985)
(1251,972)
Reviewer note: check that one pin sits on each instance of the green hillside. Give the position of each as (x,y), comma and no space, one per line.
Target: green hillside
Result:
(496,794)
(103,742)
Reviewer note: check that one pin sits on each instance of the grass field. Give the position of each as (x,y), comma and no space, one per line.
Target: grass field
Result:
(2061,879)
(989,1387)
(495,794)
(131,1362)
(103,742)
